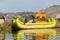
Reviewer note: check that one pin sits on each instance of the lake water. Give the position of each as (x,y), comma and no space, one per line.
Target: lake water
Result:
(9,36)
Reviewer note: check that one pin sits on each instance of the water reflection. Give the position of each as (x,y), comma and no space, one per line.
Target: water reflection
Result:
(8,36)
(42,34)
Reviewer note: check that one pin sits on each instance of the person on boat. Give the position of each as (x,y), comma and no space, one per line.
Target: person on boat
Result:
(33,17)
(25,20)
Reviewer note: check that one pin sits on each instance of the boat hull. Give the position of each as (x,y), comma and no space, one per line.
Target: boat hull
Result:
(19,24)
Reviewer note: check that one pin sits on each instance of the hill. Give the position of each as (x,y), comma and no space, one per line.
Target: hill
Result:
(53,10)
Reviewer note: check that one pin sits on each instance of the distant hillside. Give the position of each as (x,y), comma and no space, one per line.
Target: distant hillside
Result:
(53,10)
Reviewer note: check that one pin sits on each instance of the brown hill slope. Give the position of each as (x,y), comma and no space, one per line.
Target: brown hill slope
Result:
(53,10)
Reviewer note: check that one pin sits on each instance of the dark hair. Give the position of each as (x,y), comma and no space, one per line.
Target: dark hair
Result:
(3,18)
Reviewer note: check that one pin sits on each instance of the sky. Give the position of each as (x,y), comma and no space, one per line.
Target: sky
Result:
(26,5)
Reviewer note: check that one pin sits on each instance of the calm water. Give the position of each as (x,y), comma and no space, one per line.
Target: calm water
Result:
(9,36)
